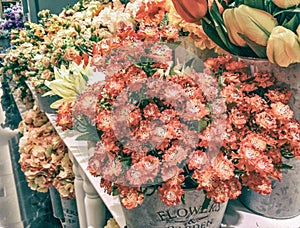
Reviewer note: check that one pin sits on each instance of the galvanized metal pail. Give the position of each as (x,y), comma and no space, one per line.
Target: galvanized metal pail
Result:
(284,201)
(193,214)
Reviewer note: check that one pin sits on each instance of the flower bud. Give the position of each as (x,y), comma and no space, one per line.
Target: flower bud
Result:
(191,10)
(255,24)
(284,4)
(283,47)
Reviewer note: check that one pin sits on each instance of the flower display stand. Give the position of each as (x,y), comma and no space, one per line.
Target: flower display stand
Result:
(45,102)
(196,212)
(70,213)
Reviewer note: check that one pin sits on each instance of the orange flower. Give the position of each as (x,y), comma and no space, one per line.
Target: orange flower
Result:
(257,182)
(266,120)
(171,191)
(191,10)
(131,198)
(282,111)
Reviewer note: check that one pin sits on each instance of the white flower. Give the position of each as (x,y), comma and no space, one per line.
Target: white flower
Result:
(113,18)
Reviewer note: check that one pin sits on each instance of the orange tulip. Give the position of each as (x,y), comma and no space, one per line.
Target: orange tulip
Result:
(191,10)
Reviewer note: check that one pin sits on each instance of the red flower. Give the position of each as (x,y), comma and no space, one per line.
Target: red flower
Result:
(104,120)
(264,80)
(168,115)
(151,111)
(64,116)
(206,178)
(112,168)
(191,10)
(256,141)
(235,187)
(169,32)
(86,104)
(107,185)
(257,182)
(175,155)
(151,12)
(168,171)
(255,103)
(148,32)
(279,95)
(238,118)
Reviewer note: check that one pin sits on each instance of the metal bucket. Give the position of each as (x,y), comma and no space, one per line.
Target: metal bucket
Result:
(283,202)
(56,204)
(193,214)
(70,213)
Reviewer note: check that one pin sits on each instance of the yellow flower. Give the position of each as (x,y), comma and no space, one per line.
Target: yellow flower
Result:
(283,47)
(286,3)
(245,22)
(298,32)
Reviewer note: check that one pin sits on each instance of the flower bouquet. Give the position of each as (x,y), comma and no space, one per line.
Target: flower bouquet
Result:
(44,157)
(13,20)
(160,130)
(265,29)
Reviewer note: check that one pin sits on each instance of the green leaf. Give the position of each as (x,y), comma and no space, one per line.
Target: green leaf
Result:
(258,4)
(88,137)
(219,24)
(183,199)
(296,10)
(205,204)
(114,191)
(210,30)
(293,23)
(259,50)
(285,166)
(202,125)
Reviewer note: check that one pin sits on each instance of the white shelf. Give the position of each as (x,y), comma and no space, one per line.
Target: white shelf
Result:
(79,150)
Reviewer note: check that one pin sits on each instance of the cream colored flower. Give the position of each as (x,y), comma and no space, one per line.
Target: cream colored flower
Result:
(46,61)
(113,18)
(58,42)
(298,32)
(47,75)
(70,54)
(111,223)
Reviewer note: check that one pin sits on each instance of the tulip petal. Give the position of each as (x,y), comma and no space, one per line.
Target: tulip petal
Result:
(286,3)
(192,10)
(255,24)
(283,47)
(233,28)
